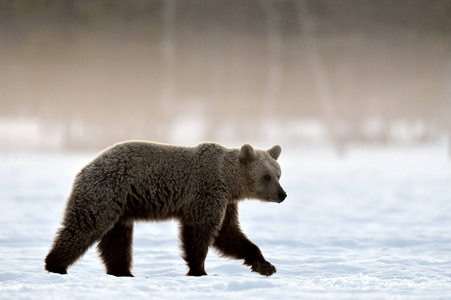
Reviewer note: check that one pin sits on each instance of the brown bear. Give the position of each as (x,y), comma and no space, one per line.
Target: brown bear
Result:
(138,180)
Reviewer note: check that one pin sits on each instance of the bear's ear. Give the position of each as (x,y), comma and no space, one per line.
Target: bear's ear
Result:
(274,151)
(247,153)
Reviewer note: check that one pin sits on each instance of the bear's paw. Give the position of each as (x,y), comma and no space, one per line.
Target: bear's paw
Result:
(264,268)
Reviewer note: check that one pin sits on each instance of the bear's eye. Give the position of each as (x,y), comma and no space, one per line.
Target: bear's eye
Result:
(267,177)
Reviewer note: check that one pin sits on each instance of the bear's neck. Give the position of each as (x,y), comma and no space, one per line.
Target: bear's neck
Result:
(233,177)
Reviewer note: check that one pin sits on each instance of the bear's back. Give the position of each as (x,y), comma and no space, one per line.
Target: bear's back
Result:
(146,164)
(140,160)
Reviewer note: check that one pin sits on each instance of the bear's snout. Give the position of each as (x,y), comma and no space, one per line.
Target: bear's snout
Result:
(282,196)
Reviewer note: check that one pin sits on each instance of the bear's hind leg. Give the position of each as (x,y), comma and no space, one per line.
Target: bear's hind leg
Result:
(68,247)
(81,228)
(115,249)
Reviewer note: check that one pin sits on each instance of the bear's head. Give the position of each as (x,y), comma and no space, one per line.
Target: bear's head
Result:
(261,173)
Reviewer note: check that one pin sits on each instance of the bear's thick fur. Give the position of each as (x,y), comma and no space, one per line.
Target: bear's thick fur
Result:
(137,180)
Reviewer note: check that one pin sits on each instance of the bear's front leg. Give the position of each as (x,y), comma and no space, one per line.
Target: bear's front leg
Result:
(200,224)
(232,242)
(195,242)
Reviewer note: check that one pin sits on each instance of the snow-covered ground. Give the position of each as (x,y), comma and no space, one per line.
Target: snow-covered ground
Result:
(374,224)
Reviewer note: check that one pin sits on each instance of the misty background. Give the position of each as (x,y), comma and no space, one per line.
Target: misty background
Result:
(86,74)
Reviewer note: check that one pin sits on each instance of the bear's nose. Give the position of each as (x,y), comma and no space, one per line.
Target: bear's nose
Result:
(282,195)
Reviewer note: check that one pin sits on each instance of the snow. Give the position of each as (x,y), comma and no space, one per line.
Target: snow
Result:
(373,224)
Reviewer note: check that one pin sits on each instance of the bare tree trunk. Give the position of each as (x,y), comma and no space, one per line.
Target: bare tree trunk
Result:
(169,47)
(319,73)
(237,67)
(274,67)
(274,44)
(447,117)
